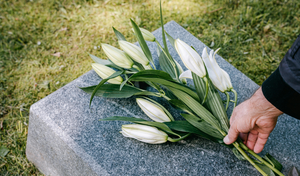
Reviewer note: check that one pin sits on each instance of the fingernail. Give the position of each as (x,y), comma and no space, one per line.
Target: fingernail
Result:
(226,139)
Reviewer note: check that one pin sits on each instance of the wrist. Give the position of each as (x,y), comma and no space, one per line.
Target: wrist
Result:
(261,104)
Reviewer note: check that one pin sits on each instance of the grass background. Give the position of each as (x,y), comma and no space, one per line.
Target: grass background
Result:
(254,35)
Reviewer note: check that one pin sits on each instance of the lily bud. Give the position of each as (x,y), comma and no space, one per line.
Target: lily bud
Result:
(104,72)
(147,35)
(217,75)
(190,58)
(144,133)
(183,79)
(134,52)
(117,56)
(153,111)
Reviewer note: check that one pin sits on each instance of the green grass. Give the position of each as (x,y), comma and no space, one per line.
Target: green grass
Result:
(253,36)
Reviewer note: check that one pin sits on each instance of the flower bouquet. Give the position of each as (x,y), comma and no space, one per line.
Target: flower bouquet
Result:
(200,104)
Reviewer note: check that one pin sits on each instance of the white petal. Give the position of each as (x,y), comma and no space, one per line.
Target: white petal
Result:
(190,58)
(187,74)
(104,72)
(117,56)
(153,111)
(134,52)
(144,133)
(227,80)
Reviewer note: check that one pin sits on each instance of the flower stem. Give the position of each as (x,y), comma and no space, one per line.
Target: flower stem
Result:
(260,159)
(228,99)
(178,139)
(206,90)
(237,146)
(235,97)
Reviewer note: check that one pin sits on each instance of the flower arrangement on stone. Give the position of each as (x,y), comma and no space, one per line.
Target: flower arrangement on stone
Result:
(201,105)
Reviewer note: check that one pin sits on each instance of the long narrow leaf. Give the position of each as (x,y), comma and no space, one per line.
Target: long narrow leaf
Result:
(119,35)
(142,41)
(178,104)
(238,154)
(118,73)
(171,40)
(113,91)
(169,84)
(151,74)
(185,126)
(203,126)
(163,31)
(166,65)
(213,102)
(197,108)
(273,161)
(99,60)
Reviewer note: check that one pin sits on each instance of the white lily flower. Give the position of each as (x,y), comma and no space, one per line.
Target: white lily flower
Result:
(186,74)
(217,75)
(104,72)
(147,35)
(190,58)
(144,133)
(117,56)
(153,111)
(134,52)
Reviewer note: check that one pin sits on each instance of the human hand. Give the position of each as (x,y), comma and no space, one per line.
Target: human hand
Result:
(253,120)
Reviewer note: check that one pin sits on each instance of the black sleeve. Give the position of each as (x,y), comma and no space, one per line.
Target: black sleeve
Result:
(282,88)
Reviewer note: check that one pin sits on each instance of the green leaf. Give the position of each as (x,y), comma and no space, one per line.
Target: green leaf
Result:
(99,60)
(166,65)
(163,31)
(150,74)
(118,73)
(196,107)
(185,126)
(270,159)
(178,104)
(170,94)
(213,102)
(3,151)
(142,41)
(123,84)
(146,93)
(119,35)
(171,40)
(203,126)
(167,53)
(238,154)
(163,78)
(113,91)
(265,168)
(159,125)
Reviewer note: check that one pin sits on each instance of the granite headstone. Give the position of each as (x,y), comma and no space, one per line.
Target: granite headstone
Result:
(65,136)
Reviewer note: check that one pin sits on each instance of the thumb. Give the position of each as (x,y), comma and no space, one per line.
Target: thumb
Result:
(232,135)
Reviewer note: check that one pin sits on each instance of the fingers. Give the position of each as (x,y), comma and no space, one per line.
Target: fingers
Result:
(244,137)
(252,137)
(232,135)
(260,143)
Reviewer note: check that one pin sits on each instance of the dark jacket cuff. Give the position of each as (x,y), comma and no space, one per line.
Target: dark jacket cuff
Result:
(281,95)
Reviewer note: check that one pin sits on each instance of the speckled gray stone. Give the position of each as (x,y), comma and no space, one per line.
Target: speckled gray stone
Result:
(65,137)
